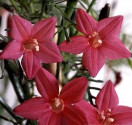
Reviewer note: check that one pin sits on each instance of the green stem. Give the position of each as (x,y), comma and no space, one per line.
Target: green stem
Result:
(31,7)
(14,5)
(9,110)
(61,36)
(20,84)
(90,6)
(9,120)
(10,68)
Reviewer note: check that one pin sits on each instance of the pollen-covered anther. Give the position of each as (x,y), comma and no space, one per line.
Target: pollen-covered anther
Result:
(109,110)
(37,48)
(57,105)
(100,41)
(94,40)
(102,115)
(31,44)
(110,120)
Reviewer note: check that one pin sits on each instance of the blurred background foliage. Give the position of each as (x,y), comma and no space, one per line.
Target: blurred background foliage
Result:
(71,67)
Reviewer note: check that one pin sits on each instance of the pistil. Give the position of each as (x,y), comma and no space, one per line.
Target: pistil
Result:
(105,117)
(94,40)
(31,44)
(57,105)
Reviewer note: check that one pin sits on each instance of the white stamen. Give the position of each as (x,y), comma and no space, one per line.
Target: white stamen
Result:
(110,120)
(100,41)
(102,115)
(72,104)
(109,110)
(35,41)
(37,48)
(57,103)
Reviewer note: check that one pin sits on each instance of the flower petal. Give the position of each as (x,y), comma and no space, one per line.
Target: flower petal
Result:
(93,60)
(20,28)
(113,48)
(13,50)
(33,108)
(85,23)
(74,116)
(73,91)
(110,26)
(44,30)
(47,84)
(122,115)
(76,45)
(31,64)
(49,52)
(90,112)
(49,119)
(104,100)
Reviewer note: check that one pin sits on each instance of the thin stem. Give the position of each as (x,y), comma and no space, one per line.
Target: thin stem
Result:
(32,8)
(61,35)
(9,110)
(82,5)
(90,6)
(9,120)
(14,5)
(58,2)
(94,88)
(2,69)
(90,96)
(93,80)
(11,69)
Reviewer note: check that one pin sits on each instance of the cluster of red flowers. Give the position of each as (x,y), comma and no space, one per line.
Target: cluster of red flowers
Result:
(98,42)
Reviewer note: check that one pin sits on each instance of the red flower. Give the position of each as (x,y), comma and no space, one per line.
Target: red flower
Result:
(108,112)
(98,43)
(33,42)
(55,108)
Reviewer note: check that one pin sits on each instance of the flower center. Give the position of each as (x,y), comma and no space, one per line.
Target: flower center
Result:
(105,118)
(31,44)
(57,105)
(94,40)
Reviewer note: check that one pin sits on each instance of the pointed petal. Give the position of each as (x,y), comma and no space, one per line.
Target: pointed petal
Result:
(20,28)
(113,48)
(110,26)
(33,108)
(73,91)
(104,100)
(47,84)
(49,119)
(93,60)
(31,64)
(90,112)
(44,30)
(85,23)
(76,45)
(13,50)
(74,116)
(49,53)
(122,115)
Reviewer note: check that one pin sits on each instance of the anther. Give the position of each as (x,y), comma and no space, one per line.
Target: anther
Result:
(110,120)
(37,48)
(109,110)
(100,41)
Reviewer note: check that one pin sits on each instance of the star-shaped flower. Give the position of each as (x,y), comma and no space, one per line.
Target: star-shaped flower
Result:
(108,112)
(33,42)
(99,41)
(55,108)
